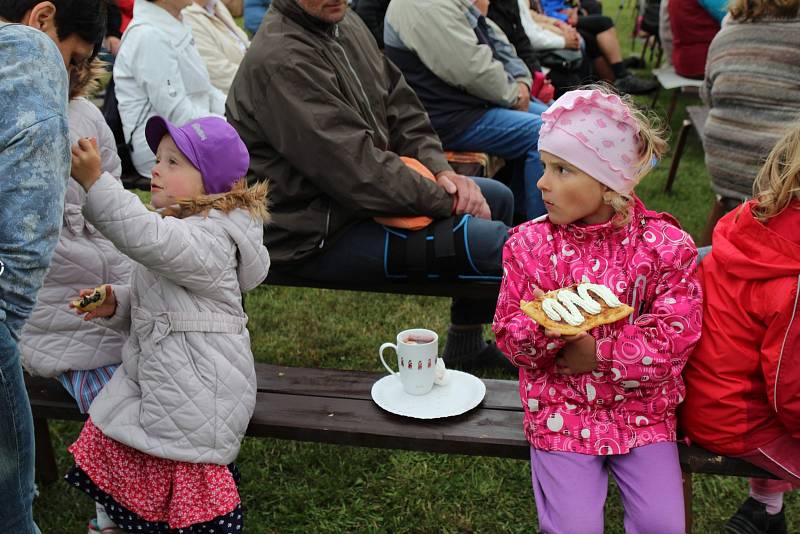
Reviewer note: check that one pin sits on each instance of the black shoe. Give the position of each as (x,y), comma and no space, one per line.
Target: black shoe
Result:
(752,518)
(489,356)
(634,85)
(634,62)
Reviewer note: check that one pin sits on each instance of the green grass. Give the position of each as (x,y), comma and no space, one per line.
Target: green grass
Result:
(299,487)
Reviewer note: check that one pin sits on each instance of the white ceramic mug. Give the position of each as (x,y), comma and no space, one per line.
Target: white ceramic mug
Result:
(416,360)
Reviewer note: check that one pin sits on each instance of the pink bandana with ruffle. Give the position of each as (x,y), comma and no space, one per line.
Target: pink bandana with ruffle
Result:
(596,133)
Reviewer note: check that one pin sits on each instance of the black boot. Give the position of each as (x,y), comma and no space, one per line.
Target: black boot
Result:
(752,518)
(467,350)
(634,85)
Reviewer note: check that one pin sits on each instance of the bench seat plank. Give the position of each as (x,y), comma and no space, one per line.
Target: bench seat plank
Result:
(500,394)
(334,406)
(482,432)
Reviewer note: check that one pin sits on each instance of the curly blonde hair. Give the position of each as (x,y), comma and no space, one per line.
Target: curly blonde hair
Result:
(778,181)
(652,146)
(84,78)
(754,10)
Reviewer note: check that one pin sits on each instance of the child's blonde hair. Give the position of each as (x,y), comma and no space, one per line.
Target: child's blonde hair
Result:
(251,198)
(652,146)
(84,78)
(755,10)
(778,181)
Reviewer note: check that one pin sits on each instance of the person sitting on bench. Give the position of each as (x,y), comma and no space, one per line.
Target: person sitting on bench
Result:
(326,118)
(475,88)
(602,45)
(743,379)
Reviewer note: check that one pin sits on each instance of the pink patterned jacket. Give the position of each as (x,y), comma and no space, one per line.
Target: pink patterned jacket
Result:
(629,400)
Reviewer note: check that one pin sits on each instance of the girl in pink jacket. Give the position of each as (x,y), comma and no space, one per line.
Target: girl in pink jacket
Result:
(606,399)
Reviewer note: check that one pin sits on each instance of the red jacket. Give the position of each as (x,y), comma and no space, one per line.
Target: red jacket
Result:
(743,379)
(126,10)
(693,29)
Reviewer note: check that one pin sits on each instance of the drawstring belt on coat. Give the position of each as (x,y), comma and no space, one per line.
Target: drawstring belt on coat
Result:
(151,327)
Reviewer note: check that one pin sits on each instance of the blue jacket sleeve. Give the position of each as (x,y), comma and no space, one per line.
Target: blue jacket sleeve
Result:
(254,11)
(716,8)
(34,165)
(552,8)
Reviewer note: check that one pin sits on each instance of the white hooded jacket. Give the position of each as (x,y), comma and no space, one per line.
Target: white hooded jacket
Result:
(159,71)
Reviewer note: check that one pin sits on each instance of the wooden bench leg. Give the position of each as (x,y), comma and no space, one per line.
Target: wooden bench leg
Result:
(673,101)
(676,157)
(645,45)
(687,499)
(46,469)
(656,94)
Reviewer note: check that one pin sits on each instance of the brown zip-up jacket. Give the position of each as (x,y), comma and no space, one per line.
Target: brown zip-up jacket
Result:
(325,117)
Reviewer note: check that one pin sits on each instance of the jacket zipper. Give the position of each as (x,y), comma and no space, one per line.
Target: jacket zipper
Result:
(327,226)
(358,81)
(783,346)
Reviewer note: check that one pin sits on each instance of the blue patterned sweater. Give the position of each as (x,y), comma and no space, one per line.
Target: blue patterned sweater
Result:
(34,165)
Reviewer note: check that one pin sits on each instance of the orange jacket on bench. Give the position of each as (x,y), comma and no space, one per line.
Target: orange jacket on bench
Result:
(743,380)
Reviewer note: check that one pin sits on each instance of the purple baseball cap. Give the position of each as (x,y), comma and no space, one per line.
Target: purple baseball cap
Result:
(210,144)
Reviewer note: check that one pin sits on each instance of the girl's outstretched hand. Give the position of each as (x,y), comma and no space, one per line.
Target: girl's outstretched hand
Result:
(107,309)
(86,163)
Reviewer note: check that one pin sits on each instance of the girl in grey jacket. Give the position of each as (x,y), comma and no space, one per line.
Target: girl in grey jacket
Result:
(161,435)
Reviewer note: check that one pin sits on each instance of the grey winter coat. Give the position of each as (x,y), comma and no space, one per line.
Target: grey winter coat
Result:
(187,387)
(56,339)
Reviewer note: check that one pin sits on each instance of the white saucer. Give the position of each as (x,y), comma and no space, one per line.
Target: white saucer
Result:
(462,393)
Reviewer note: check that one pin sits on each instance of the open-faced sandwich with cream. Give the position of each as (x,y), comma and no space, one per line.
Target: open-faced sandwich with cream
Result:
(572,309)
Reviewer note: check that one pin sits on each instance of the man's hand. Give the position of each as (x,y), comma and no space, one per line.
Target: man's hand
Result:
(86,166)
(560,24)
(467,196)
(572,39)
(113,43)
(523,97)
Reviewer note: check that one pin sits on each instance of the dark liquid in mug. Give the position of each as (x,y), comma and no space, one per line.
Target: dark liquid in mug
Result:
(417,339)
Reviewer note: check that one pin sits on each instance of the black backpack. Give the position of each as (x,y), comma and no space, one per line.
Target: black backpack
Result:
(131,179)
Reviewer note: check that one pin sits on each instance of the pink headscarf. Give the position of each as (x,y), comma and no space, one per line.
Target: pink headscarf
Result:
(595,132)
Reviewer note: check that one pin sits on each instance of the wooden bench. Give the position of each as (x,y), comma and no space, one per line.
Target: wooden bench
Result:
(335,406)
(474,163)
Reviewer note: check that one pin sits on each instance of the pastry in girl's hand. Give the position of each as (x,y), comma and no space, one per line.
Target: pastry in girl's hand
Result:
(91,301)
(572,309)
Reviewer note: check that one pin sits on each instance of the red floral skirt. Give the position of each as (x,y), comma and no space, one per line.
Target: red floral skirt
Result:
(177,493)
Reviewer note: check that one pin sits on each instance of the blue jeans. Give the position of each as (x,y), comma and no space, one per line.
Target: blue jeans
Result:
(16,442)
(514,136)
(360,253)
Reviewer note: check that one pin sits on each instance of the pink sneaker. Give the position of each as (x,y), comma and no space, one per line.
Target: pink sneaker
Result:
(94,529)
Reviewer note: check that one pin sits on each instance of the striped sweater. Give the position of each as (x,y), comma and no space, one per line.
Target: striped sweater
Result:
(752,85)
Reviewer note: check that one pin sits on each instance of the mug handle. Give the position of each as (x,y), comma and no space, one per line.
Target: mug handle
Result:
(380,353)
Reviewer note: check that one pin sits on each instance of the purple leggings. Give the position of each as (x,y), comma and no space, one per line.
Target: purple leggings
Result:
(571,488)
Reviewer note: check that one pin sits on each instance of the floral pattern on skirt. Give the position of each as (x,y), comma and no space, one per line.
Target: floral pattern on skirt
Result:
(179,494)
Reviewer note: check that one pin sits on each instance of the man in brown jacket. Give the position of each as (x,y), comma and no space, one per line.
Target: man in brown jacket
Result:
(326,118)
